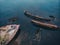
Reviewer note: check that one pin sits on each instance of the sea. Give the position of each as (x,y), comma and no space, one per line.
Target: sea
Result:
(44,8)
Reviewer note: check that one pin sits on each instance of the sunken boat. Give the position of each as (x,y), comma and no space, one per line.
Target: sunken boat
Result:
(13,19)
(45,25)
(28,14)
(9,33)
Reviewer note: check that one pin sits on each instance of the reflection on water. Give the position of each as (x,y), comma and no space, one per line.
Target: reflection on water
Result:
(25,38)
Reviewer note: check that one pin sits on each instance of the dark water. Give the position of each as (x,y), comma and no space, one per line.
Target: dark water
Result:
(11,8)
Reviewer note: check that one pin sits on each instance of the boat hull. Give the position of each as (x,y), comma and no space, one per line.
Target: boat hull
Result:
(13,31)
(45,25)
(36,17)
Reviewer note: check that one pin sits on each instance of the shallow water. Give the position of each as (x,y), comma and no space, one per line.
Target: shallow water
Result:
(45,8)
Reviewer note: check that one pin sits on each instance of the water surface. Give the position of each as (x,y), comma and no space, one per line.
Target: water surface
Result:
(45,8)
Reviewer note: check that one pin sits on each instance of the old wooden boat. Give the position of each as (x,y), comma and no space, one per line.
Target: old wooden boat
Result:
(45,25)
(28,14)
(8,33)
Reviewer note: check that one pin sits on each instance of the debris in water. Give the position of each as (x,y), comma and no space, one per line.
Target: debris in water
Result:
(52,17)
(45,25)
(39,18)
(13,19)
(37,36)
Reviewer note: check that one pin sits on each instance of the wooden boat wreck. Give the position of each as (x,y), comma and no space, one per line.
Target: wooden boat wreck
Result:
(8,34)
(28,14)
(45,25)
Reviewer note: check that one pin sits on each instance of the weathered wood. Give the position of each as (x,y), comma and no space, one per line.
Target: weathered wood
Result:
(45,25)
(28,14)
(11,30)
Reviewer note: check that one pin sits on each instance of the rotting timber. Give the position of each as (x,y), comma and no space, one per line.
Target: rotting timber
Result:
(45,25)
(28,14)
